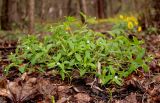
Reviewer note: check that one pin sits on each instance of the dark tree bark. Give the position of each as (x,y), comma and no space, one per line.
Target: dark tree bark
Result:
(156,18)
(22,13)
(13,11)
(31,8)
(83,9)
(69,8)
(110,7)
(100,5)
(60,9)
(150,18)
(4,16)
(9,15)
(119,7)
(43,5)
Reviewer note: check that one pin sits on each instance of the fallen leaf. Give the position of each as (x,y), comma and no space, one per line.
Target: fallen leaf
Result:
(82,97)
(129,99)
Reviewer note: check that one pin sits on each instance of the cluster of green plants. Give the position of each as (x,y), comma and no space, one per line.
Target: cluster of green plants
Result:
(74,47)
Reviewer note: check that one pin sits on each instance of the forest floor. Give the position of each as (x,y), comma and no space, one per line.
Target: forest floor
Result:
(139,87)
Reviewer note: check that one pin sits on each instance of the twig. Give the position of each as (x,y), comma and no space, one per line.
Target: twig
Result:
(99,72)
(7,48)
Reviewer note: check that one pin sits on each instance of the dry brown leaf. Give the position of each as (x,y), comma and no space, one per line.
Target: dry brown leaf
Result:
(19,90)
(63,88)
(46,88)
(82,97)
(24,76)
(157,55)
(4,92)
(2,100)
(157,79)
(62,100)
(129,99)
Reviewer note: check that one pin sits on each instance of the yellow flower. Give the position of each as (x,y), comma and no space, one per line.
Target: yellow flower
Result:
(133,18)
(130,25)
(139,29)
(127,19)
(136,23)
(68,28)
(121,17)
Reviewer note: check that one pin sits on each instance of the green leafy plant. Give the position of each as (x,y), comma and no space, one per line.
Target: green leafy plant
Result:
(74,47)
(124,25)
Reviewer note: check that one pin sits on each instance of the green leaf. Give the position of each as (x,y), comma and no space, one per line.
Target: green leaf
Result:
(82,72)
(58,57)
(78,57)
(145,67)
(22,69)
(111,69)
(61,65)
(63,48)
(141,53)
(49,46)
(62,74)
(111,33)
(41,69)
(117,81)
(106,79)
(51,65)
(35,58)
(136,41)
(92,65)
(125,74)
(133,67)
(7,68)
(87,54)
(70,53)
(72,62)
(71,45)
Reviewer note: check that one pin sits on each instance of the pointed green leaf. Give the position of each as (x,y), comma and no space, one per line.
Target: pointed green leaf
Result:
(78,57)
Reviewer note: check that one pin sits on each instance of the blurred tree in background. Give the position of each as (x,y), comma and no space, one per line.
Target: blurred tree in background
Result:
(23,13)
(100,8)
(156,19)
(150,13)
(83,9)
(31,7)
(9,15)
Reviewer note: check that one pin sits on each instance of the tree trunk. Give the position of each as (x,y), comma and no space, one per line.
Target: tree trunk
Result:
(156,18)
(111,8)
(69,8)
(4,16)
(12,12)
(83,9)
(100,8)
(31,16)
(9,14)
(43,5)
(60,9)
(150,18)
(22,13)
